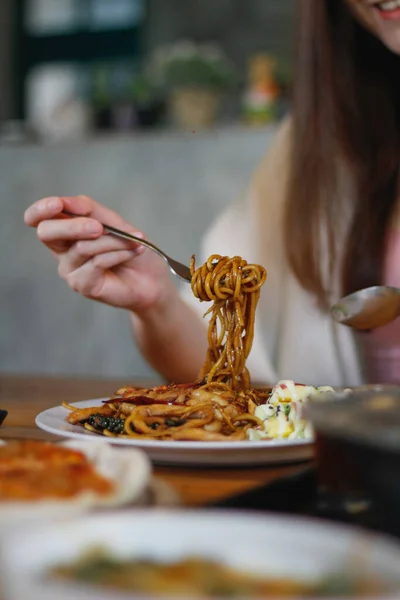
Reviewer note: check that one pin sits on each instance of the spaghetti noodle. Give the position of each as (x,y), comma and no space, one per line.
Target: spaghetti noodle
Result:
(234,288)
(221,405)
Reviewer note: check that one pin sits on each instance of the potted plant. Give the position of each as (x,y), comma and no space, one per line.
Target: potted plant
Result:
(194,77)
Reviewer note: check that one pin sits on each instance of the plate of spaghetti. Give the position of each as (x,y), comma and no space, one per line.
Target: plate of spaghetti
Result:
(218,419)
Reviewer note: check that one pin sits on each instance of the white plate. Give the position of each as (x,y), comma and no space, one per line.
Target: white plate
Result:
(260,452)
(128,468)
(269,545)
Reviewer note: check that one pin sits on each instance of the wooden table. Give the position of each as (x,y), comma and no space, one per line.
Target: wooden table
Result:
(24,397)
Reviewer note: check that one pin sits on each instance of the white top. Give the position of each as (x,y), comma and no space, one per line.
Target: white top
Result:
(293,338)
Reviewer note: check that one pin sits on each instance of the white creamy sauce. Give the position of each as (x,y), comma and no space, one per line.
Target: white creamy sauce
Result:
(281,414)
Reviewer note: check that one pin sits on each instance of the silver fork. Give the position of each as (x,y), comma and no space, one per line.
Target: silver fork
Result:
(177,268)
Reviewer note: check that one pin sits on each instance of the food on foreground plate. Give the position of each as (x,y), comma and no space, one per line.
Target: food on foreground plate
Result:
(201,578)
(202,553)
(43,480)
(221,405)
(33,471)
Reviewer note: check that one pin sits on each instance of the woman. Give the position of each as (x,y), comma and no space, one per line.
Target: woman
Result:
(321,215)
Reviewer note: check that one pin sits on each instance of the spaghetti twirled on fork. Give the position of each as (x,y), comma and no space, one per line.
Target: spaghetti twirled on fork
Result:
(234,288)
(221,404)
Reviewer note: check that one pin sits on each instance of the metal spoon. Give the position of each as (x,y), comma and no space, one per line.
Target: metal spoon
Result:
(368,308)
(180,270)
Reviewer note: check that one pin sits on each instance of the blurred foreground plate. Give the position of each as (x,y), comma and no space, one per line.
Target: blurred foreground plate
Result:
(266,545)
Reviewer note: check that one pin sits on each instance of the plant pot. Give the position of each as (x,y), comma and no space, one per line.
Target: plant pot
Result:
(102,118)
(194,108)
(150,115)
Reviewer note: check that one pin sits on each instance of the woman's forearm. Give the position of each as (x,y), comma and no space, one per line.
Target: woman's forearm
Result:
(173,340)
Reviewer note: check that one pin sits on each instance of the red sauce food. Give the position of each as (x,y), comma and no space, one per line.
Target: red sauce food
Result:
(31,470)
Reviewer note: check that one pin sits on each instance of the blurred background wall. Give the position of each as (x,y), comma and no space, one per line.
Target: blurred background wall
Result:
(88,106)
(242,28)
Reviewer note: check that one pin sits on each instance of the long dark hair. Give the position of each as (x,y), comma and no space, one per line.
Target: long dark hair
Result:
(346,105)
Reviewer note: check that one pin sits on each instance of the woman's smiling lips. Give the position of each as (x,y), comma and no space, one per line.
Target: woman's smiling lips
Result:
(388,10)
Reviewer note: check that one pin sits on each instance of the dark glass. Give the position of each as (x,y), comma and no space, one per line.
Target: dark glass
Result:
(358,453)
(340,485)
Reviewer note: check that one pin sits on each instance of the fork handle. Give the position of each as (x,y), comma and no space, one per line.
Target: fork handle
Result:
(125,236)
(133,238)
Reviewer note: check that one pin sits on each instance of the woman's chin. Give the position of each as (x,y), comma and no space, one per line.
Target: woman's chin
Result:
(389,34)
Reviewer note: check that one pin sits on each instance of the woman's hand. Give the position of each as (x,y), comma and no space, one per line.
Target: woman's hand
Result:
(97,265)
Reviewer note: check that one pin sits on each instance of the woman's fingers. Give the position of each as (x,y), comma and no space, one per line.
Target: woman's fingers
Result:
(58,234)
(89,279)
(46,208)
(49,208)
(89,258)
(84,205)
(79,253)
(79,228)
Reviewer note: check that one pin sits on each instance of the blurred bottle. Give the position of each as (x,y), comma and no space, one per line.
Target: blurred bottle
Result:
(123,116)
(56,110)
(101,97)
(262,92)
